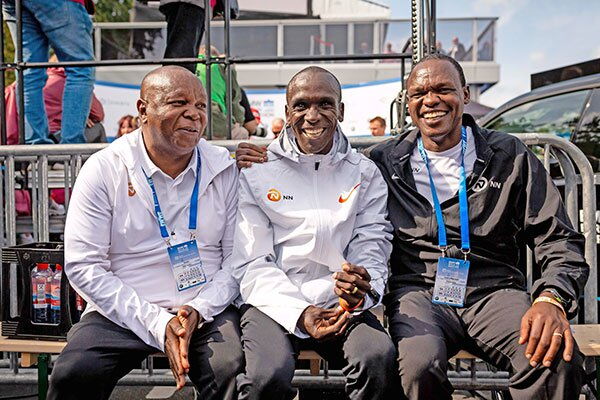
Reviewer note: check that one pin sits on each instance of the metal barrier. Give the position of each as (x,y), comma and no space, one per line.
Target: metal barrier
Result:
(45,167)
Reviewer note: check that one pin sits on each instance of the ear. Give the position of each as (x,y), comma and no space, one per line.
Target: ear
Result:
(466,94)
(287,114)
(141,107)
(341,112)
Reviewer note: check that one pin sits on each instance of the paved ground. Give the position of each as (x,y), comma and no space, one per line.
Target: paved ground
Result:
(143,392)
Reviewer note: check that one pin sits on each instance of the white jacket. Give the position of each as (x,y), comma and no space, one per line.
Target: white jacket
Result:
(114,254)
(300,217)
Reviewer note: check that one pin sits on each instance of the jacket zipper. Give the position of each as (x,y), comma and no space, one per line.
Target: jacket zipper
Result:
(317,209)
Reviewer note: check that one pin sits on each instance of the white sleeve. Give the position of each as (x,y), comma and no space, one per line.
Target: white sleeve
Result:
(370,246)
(262,283)
(87,243)
(223,288)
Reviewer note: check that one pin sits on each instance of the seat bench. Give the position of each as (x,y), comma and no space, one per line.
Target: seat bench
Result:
(38,351)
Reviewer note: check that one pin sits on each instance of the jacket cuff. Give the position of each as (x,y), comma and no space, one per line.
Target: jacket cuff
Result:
(204,310)
(160,328)
(570,306)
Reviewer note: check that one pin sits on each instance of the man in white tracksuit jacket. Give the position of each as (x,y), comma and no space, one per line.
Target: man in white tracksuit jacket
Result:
(313,207)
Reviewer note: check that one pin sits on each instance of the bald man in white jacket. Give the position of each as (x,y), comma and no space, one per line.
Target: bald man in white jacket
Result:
(310,251)
(118,260)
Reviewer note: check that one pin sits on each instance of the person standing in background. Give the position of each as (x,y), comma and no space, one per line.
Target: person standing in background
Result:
(67,27)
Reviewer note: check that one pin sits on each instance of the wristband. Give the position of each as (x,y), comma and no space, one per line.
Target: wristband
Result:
(546,299)
(360,303)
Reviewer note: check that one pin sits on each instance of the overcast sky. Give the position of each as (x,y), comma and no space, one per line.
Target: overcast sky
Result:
(531,36)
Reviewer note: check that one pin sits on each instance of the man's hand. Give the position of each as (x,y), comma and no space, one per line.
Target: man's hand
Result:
(173,333)
(189,319)
(247,154)
(543,328)
(322,324)
(352,284)
(89,123)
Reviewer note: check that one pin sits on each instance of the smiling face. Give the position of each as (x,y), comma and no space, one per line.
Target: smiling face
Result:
(172,111)
(436,100)
(313,110)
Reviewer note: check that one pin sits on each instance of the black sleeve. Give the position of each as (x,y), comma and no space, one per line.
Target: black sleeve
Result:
(248,116)
(558,248)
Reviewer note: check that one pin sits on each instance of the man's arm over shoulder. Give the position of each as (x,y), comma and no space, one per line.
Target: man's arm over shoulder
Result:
(223,288)
(370,246)
(87,244)
(557,246)
(262,283)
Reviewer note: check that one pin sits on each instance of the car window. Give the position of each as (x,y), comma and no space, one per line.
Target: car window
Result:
(557,114)
(587,137)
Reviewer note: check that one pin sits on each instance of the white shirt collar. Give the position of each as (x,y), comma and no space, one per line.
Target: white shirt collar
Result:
(150,168)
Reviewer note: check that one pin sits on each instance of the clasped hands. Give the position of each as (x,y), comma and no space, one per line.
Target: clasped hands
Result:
(177,341)
(351,286)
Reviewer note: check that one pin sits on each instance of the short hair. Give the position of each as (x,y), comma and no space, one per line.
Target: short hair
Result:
(443,57)
(314,69)
(378,119)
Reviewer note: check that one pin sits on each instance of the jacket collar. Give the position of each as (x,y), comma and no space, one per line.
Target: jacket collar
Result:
(399,157)
(127,148)
(285,146)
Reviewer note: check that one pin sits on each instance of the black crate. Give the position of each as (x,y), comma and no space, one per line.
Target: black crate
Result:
(25,257)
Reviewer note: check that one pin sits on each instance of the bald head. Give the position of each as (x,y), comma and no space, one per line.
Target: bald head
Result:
(162,80)
(310,72)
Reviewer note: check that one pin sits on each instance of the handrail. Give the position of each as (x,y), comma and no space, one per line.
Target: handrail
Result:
(72,155)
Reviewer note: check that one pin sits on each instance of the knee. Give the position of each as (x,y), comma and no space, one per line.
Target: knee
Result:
(74,371)
(422,367)
(379,361)
(272,377)
(81,76)
(230,364)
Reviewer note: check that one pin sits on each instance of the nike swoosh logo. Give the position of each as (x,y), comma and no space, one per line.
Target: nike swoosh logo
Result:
(395,177)
(343,198)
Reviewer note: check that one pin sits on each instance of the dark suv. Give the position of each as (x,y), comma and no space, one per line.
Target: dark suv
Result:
(569,109)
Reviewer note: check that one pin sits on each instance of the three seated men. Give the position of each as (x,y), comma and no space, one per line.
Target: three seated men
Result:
(150,244)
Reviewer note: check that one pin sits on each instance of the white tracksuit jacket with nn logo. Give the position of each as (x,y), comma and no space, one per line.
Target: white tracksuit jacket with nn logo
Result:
(300,217)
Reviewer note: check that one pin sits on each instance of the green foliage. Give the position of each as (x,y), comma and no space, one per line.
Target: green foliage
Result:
(9,53)
(113,10)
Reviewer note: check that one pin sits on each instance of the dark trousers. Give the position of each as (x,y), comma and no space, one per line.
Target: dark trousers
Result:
(185,27)
(429,334)
(99,353)
(366,351)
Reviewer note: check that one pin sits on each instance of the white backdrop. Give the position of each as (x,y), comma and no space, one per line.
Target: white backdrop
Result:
(362,102)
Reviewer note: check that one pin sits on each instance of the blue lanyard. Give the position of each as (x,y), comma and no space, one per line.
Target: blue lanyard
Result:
(193,204)
(462,199)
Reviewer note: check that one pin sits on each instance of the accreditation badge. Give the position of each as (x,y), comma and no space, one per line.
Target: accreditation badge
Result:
(186,264)
(451,281)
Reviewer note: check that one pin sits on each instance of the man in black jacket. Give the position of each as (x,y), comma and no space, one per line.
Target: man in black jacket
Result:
(459,281)
(463,200)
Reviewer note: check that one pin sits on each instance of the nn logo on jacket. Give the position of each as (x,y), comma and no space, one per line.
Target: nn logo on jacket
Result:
(275,195)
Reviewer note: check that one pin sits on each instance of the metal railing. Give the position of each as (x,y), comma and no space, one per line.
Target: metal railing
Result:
(45,167)
(36,168)
(19,66)
(117,40)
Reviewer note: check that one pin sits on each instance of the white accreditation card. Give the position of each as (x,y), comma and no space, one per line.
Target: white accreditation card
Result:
(451,281)
(186,264)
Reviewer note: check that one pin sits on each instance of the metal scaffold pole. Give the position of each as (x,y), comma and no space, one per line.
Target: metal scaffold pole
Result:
(207,58)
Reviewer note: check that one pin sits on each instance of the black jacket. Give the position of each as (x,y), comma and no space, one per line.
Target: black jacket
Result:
(512,202)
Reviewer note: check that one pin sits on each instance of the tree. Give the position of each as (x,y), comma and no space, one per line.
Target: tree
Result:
(113,10)
(9,53)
